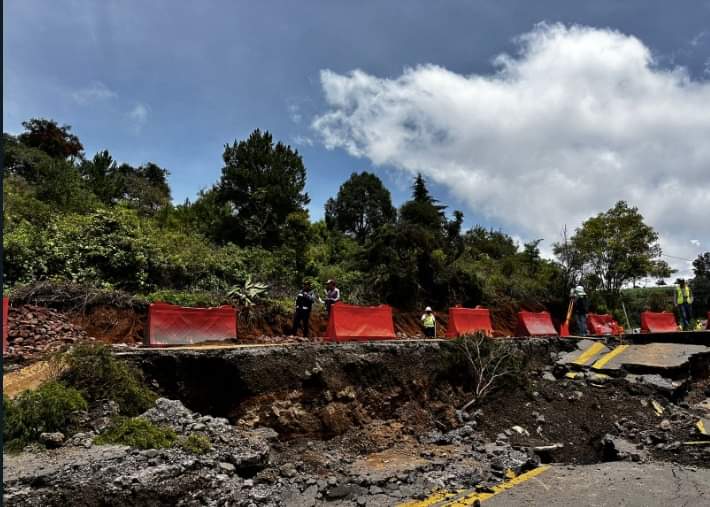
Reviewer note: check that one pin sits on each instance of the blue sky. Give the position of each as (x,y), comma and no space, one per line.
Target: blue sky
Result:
(173,81)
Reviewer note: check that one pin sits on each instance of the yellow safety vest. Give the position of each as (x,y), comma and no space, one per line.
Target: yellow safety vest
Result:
(681,298)
(428,320)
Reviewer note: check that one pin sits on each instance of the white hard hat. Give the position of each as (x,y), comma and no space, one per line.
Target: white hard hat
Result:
(427,309)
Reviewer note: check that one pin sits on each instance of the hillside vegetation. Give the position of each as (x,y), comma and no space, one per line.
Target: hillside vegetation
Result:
(100,223)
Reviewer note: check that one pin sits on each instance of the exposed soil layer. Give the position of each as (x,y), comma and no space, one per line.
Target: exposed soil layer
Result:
(347,390)
(386,376)
(111,324)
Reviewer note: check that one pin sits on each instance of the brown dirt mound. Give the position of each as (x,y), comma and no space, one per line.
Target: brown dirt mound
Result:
(112,324)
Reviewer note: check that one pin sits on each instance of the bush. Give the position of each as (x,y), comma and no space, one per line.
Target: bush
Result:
(195,444)
(98,375)
(188,298)
(137,432)
(47,409)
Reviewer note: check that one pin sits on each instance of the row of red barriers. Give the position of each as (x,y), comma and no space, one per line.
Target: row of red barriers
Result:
(173,325)
(177,325)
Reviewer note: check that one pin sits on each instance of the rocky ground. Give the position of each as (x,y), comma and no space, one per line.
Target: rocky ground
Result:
(36,331)
(355,425)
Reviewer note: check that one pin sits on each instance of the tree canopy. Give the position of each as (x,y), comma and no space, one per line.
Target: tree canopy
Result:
(614,248)
(262,183)
(52,139)
(362,205)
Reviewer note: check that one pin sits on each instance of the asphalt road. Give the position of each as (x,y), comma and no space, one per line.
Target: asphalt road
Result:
(611,484)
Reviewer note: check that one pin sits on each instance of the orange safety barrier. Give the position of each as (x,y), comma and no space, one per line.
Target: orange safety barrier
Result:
(179,325)
(360,323)
(603,324)
(536,324)
(5,322)
(464,321)
(658,322)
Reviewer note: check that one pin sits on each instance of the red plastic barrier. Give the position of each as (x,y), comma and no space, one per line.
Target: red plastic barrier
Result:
(658,322)
(356,323)
(5,310)
(464,321)
(536,324)
(602,324)
(179,325)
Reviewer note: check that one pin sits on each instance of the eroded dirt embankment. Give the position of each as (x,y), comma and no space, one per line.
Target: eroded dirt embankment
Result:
(324,389)
(359,424)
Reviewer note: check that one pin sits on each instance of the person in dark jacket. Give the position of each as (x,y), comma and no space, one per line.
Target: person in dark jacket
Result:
(581,308)
(304,304)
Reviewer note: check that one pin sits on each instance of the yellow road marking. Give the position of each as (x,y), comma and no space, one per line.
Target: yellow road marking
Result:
(434,499)
(609,356)
(443,498)
(657,407)
(591,351)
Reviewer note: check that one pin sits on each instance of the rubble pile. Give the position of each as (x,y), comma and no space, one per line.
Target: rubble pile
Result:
(89,474)
(34,331)
(360,425)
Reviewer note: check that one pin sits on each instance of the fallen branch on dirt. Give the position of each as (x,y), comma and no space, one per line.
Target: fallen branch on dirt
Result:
(489,361)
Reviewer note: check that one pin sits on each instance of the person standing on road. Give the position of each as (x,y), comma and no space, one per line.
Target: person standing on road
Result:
(429,323)
(332,295)
(304,304)
(683,300)
(581,308)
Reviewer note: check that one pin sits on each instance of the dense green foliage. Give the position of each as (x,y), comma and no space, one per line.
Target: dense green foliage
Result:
(262,185)
(137,432)
(47,409)
(614,248)
(362,205)
(98,222)
(98,375)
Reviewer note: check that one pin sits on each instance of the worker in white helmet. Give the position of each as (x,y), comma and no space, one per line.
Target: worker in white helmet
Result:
(581,308)
(429,323)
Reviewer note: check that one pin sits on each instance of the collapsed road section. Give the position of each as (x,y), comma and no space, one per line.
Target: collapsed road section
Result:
(378,423)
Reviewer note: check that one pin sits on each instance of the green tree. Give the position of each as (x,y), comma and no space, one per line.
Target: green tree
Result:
(55,141)
(101,175)
(262,183)
(422,209)
(701,285)
(616,247)
(701,266)
(144,188)
(54,180)
(362,205)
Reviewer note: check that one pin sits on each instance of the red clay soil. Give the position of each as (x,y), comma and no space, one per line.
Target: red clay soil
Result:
(112,325)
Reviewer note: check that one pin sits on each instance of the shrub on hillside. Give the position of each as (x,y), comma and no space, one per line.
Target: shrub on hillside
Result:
(47,409)
(137,432)
(195,444)
(98,375)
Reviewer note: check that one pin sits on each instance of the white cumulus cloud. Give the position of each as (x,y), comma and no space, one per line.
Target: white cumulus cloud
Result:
(578,119)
